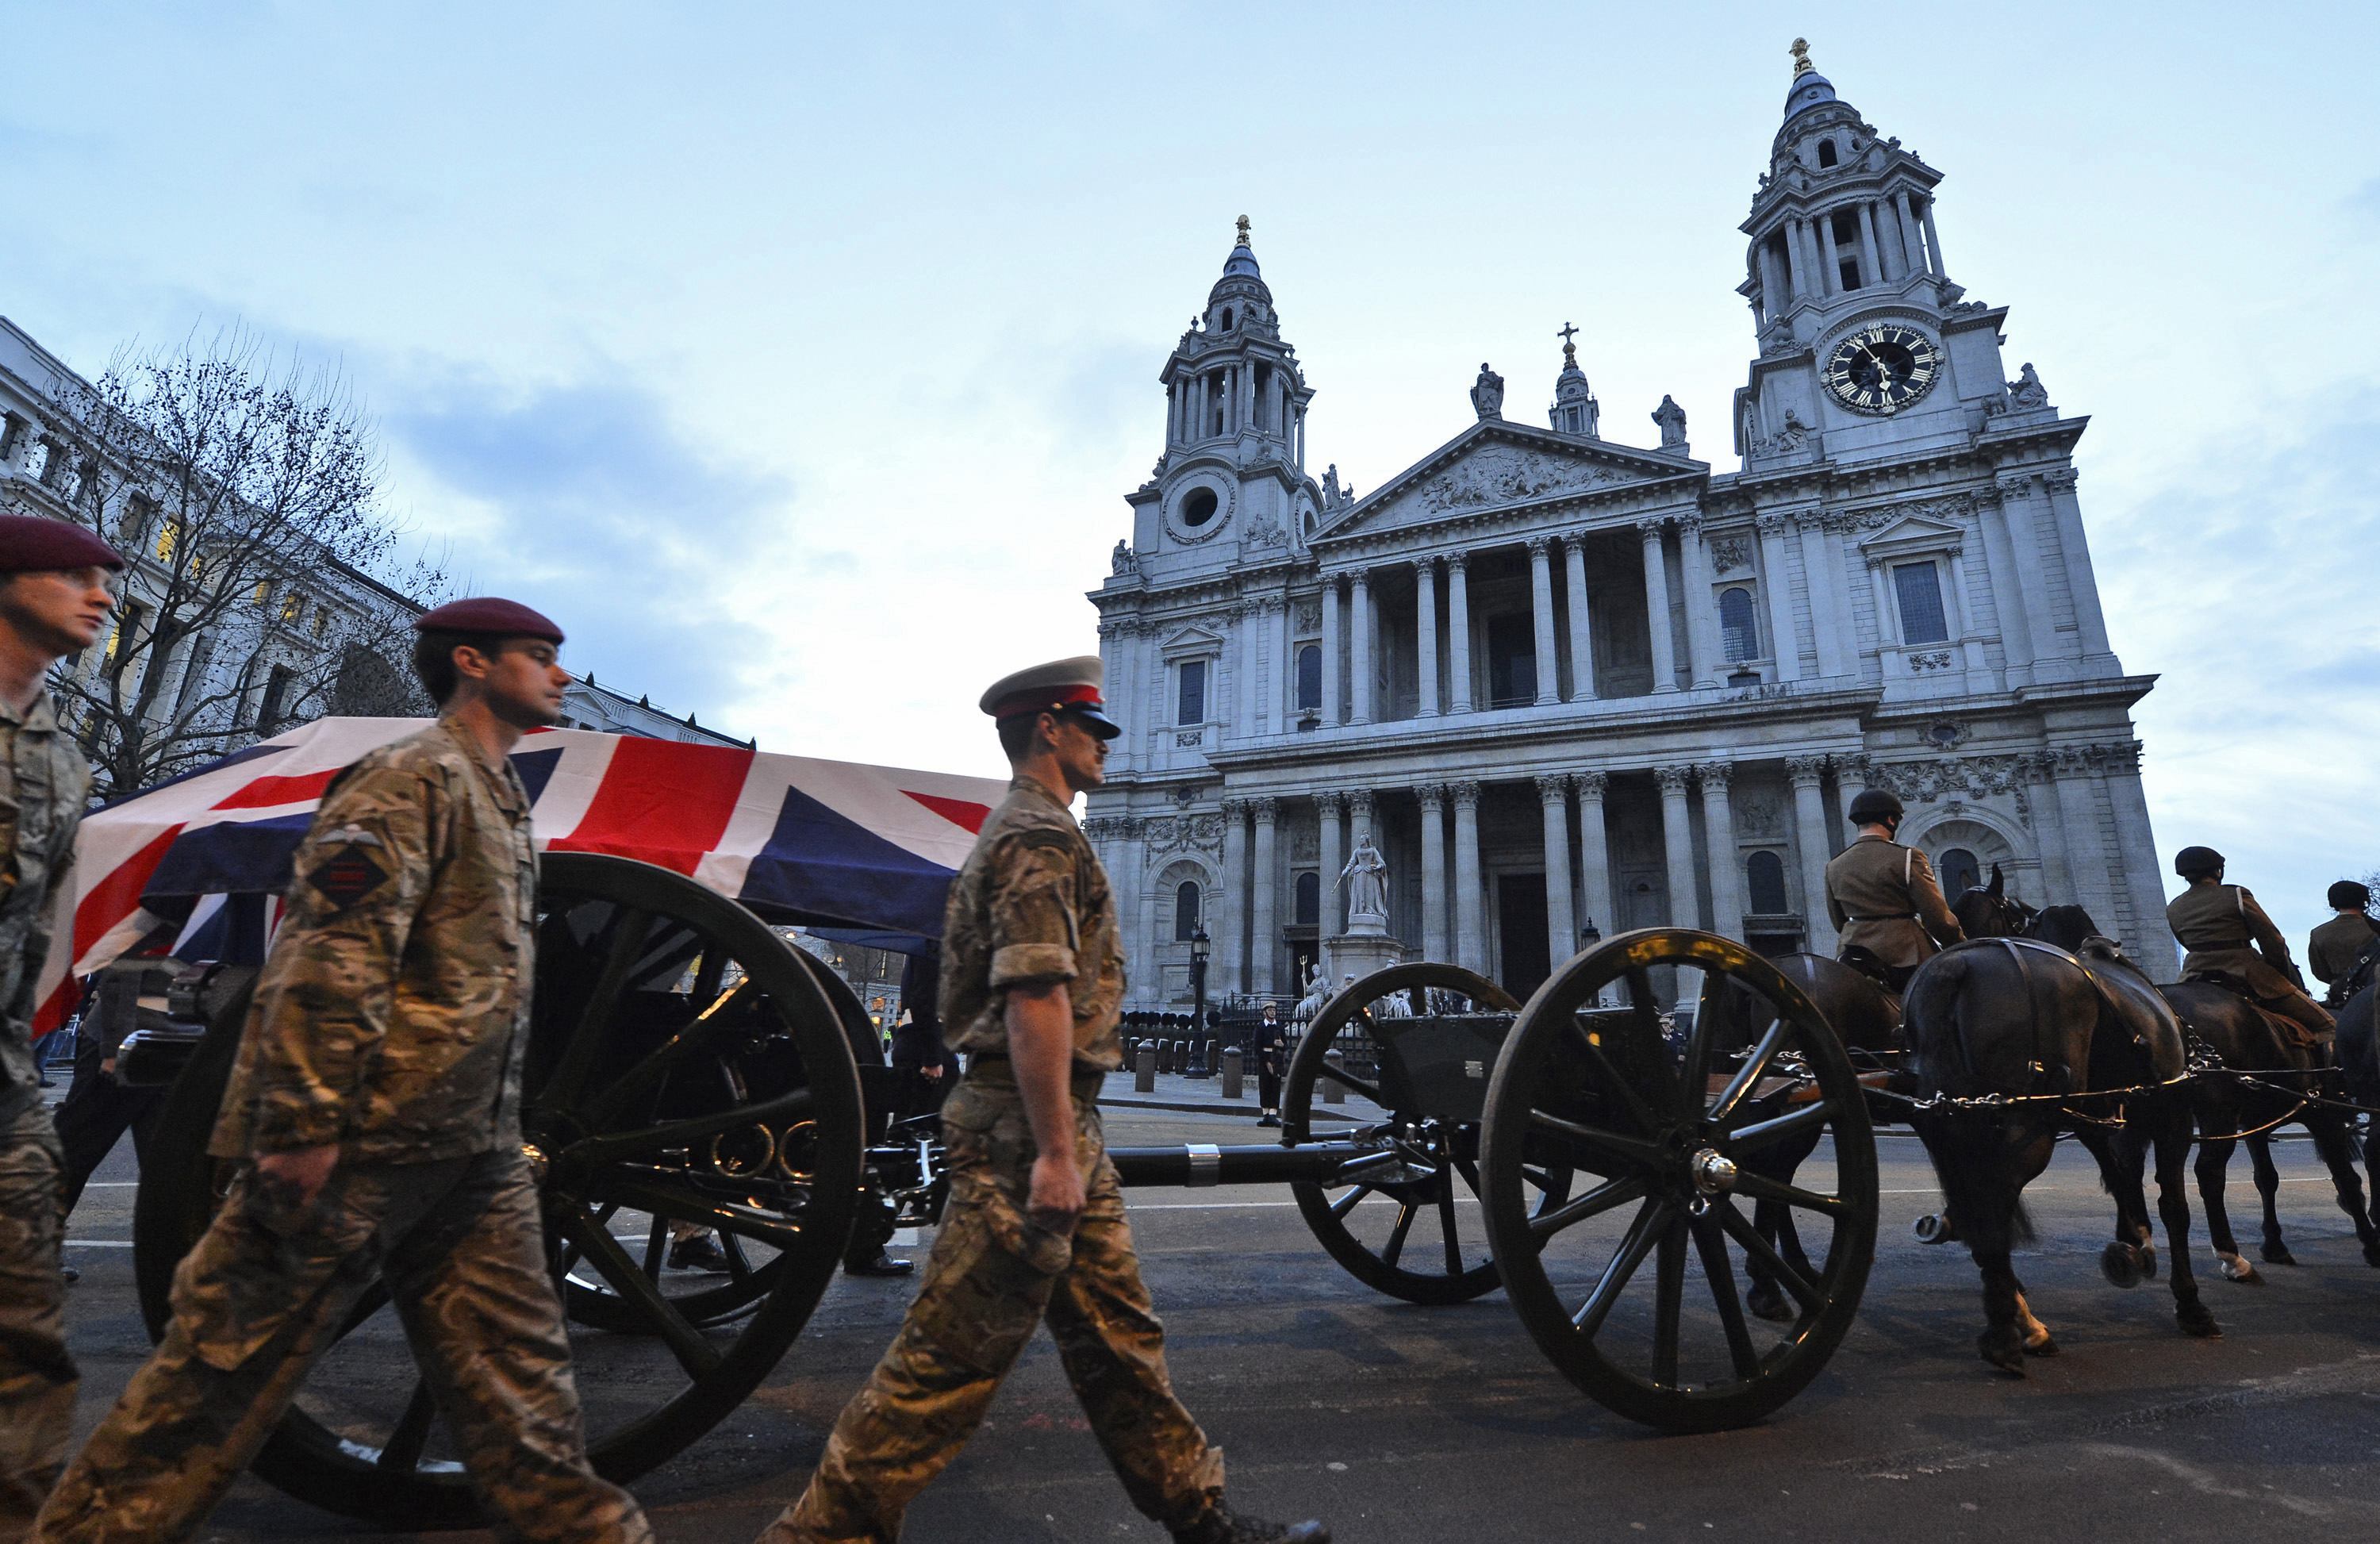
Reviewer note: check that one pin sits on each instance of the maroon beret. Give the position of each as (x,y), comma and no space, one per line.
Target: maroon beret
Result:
(35,543)
(489,614)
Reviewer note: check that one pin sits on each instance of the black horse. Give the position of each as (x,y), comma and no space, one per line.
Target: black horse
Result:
(2000,1015)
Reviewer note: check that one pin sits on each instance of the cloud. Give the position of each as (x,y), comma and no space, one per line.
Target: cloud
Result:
(584,498)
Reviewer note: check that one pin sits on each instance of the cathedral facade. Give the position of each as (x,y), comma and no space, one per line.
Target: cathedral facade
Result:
(1568,686)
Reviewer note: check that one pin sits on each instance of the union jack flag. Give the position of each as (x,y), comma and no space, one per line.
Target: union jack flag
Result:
(835,843)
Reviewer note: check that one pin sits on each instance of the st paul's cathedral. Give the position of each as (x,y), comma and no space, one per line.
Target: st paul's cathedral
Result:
(1563,682)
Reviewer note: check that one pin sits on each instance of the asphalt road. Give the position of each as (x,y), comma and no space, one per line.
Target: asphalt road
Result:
(1398,1423)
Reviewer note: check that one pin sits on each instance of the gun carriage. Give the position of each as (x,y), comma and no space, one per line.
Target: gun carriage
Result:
(1590,1151)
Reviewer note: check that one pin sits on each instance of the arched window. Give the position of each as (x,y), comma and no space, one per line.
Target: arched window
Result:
(1309,900)
(1958,871)
(1309,679)
(1764,879)
(1825,158)
(1739,632)
(1227,311)
(1186,910)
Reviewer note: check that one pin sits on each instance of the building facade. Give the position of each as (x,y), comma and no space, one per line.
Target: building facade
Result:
(1563,682)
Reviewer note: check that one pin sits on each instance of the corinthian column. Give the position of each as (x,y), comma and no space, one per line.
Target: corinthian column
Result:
(1470,930)
(1582,633)
(1702,618)
(1458,632)
(1434,943)
(1657,607)
(1230,955)
(1331,715)
(1264,939)
(1541,610)
(1806,773)
(1678,846)
(1425,634)
(1594,852)
(1360,629)
(1327,807)
(1778,587)
(1726,869)
(1561,923)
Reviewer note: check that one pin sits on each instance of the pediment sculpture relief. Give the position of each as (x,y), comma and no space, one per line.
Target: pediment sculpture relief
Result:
(1502,474)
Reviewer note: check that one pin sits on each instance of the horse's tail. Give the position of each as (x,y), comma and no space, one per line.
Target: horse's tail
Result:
(1966,1147)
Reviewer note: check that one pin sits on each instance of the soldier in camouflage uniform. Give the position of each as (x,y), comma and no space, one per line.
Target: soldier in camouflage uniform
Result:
(1032,982)
(377,1103)
(54,601)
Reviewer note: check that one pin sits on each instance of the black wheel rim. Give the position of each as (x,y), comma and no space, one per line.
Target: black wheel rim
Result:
(1701,1096)
(1408,1224)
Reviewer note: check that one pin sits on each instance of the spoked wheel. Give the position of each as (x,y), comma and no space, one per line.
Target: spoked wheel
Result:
(1407,1223)
(683,1068)
(1676,1067)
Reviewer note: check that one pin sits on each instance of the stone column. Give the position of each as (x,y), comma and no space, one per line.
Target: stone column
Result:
(1243,628)
(1230,952)
(2016,512)
(1807,773)
(1726,861)
(1360,628)
(1561,924)
(2008,590)
(1964,634)
(1425,634)
(1912,258)
(1888,235)
(1458,632)
(1595,852)
(2090,624)
(2151,942)
(1831,627)
(1657,607)
(1434,944)
(1830,261)
(1776,584)
(1873,271)
(1264,931)
(1795,268)
(2040,770)
(2097,873)
(1702,618)
(1678,847)
(1933,241)
(1284,669)
(1541,612)
(1130,883)
(1329,651)
(1469,929)
(1359,818)
(1328,805)
(1582,630)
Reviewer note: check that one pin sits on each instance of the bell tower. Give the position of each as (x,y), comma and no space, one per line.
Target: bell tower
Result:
(1574,410)
(1232,480)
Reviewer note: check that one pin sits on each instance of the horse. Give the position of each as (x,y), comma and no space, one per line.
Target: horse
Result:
(2001,1014)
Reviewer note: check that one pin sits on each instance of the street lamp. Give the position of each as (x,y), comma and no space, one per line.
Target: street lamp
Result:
(1590,935)
(1201,946)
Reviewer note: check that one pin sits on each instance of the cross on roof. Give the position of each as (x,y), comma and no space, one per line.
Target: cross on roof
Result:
(1567,333)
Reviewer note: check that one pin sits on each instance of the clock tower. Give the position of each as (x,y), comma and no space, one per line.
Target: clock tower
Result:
(1867,348)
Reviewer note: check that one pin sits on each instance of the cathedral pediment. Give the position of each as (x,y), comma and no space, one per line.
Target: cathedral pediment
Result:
(1495,465)
(1910,533)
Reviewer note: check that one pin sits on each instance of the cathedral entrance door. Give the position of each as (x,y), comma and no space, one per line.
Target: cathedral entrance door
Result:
(1520,928)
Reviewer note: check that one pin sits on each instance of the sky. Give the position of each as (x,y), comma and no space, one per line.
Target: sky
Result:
(797,358)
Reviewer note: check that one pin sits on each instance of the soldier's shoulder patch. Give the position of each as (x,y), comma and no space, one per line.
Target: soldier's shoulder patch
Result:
(349,871)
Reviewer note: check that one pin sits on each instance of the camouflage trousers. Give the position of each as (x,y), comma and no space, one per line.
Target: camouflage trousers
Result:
(992,1277)
(37,1376)
(460,1246)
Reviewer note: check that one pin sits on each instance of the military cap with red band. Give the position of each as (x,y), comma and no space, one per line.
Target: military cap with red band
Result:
(36,544)
(489,615)
(1060,687)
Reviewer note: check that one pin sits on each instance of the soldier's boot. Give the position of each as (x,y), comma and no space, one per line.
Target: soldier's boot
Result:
(1221,1525)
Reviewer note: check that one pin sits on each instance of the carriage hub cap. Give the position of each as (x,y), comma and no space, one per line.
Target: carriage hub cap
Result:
(1714,1171)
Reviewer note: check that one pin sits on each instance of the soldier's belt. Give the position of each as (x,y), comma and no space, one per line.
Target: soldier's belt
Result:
(1890,917)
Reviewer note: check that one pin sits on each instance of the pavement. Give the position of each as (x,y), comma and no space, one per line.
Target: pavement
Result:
(1405,1424)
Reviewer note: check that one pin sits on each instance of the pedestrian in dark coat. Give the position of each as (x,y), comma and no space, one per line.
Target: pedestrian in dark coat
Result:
(1272,1064)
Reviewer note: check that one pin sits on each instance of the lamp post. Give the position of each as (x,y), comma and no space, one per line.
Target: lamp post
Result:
(1200,947)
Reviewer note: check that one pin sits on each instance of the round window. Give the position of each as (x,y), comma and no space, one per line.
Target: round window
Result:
(1198,508)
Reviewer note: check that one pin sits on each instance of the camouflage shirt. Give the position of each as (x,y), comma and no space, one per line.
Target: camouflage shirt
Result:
(392,1015)
(1032,908)
(43,785)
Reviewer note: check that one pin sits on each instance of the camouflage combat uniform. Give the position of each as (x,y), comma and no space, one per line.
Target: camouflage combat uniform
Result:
(1032,907)
(390,1019)
(43,786)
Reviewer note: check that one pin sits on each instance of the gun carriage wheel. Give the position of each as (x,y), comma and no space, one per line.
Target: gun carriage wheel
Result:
(1670,1065)
(1403,1218)
(685,1066)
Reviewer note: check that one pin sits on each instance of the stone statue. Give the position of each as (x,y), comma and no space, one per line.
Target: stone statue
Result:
(1366,878)
(1488,394)
(1672,420)
(1332,494)
(2026,391)
(1121,561)
(1793,436)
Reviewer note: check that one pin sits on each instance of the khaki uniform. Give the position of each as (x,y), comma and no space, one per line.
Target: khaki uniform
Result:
(2333,948)
(43,785)
(1884,899)
(2218,924)
(1031,907)
(390,1019)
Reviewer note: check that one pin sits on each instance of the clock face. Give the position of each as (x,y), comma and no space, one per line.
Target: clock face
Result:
(1883,368)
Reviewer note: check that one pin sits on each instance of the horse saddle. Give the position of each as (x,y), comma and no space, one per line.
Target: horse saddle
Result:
(1894,979)
(2288,1033)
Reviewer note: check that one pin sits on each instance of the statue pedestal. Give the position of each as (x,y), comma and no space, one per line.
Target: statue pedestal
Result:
(1360,951)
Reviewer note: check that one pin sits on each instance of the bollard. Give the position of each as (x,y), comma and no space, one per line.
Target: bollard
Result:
(1201,1057)
(1334,1091)
(1165,1056)
(1144,1068)
(1232,1088)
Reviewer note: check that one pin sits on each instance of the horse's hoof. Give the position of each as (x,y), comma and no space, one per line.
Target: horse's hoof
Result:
(2045,1346)
(2004,1349)
(1933,1228)
(2238,1270)
(2148,1262)
(2120,1263)
(2372,1253)
(2278,1254)
(1766,1302)
(2195,1321)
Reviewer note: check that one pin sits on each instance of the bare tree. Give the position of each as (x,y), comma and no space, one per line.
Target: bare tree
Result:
(260,590)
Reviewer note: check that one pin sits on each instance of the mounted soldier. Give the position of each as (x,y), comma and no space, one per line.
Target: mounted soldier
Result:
(2342,949)
(1884,897)
(2232,942)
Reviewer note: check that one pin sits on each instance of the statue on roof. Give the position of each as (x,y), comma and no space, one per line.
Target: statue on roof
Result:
(1672,420)
(1488,394)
